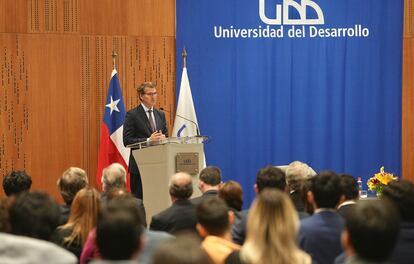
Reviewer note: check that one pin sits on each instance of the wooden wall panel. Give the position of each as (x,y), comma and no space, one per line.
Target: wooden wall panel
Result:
(55,58)
(128,17)
(408,93)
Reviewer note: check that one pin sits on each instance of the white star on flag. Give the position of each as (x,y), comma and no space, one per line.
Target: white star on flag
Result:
(113,105)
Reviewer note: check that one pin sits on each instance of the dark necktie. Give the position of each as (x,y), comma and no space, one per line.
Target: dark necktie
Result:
(151,120)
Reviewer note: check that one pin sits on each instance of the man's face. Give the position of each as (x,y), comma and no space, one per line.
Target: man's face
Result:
(149,98)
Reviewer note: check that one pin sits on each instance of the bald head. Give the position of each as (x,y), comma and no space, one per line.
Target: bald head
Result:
(181,186)
(113,176)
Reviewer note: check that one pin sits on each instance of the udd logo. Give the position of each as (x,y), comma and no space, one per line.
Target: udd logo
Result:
(301,8)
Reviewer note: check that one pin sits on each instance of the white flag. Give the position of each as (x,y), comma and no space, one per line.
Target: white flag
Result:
(185,123)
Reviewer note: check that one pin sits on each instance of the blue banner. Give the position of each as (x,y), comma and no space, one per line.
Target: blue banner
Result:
(276,81)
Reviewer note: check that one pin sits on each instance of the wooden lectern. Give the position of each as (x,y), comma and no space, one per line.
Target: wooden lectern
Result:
(158,162)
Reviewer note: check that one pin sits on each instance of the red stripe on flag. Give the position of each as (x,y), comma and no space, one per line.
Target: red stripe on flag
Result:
(108,154)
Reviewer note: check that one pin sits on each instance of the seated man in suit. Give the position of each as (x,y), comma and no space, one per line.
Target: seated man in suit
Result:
(370,233)
(268,177)
(181,214)
(209,183)
(319,234)
(69,184)
(114,177)
(350,193)
(401,194)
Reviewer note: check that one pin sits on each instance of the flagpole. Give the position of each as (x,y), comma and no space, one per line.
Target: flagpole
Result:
(114,55)
(184,54)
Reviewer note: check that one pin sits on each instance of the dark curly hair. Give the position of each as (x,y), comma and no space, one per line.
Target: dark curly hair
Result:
(16,182)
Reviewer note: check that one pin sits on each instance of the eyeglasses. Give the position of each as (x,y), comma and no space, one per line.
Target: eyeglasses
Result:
(151,94)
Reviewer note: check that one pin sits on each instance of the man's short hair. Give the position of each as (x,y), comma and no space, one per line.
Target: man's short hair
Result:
(118,231)
(34,214)
(210,175)
(16,182)
(213,214)
(401,194)
(373,228)
(181,190)
(142,86)
(270,177)
(326,190)
(349,186)
(71,181)
(114,176)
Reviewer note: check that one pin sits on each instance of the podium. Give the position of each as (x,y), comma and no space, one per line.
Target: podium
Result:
(157,162)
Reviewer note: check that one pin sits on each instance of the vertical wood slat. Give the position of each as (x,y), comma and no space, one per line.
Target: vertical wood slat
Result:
(408,93)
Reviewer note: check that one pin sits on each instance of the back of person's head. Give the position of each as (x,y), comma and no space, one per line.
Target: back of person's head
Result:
(34,214)
(83,215)
(181,186)
(371,230)
(296,172)
(184,249)
(113,176)
(119,230)
(326,189)
(401,194)
(349,187)
(71,181)
(272,226)
(16,182)
(270,177)
(210,175)
(232,193)
(213,216)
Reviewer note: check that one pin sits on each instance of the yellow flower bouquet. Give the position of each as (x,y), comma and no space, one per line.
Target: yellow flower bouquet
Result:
(380,180)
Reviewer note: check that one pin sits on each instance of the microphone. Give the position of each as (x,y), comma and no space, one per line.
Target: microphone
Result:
(189,120)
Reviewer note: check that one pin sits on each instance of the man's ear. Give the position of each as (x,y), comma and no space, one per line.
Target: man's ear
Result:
(201,230)
(256,189)
(310,197)
(341,199)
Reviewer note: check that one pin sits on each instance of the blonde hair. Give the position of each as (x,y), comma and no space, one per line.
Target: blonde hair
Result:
(83,216)
(272,227)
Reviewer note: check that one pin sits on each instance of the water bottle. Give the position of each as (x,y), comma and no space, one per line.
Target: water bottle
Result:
(359,182)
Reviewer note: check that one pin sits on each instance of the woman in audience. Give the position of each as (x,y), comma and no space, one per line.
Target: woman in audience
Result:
(82,219)
(272,227)
(232,193)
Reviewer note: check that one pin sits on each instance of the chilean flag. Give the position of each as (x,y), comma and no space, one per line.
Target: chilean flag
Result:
(111,146)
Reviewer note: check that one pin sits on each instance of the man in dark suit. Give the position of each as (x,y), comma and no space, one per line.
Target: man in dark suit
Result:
(209,183)
(319,234)
(143,123)
(350,193)
(181,214)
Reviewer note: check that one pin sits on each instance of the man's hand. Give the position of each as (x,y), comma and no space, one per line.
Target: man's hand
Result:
(156,136)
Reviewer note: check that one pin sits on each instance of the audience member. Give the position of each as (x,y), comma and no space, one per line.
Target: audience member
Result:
(82,219)
(401,194)
(214,225)
(185,249)
(71,181)
(118,232)
(209,182)
(4,215)
(296,174)
(125,201)
(232,193)
(16,182)
(268,177)
(114,177)
(319,234)
(34,214)
(271,233)
(371,230)
(181,214)
(350,193)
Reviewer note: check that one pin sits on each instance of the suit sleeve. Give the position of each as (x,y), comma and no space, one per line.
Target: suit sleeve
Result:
(156,224)
(164,124)
(130,130)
